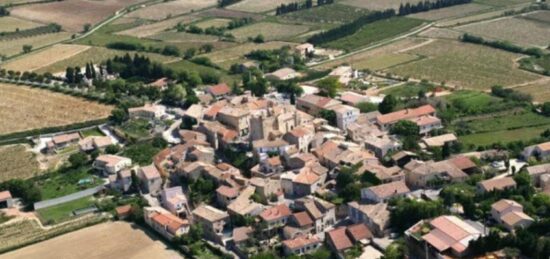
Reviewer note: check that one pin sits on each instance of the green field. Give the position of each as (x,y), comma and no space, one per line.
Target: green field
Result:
(216,22)
(334,13)
(185,65)
(91,132)
(63,212)
(384,61)
(270,31)
(66,182)
(473,102)
(141,153)
(375,32)
(464,65)
(504,136)
(408,90)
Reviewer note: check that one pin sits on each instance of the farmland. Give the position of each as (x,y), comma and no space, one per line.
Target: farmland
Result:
(334,13)
(13,47)
(377,4)
(168,9)
(385,61)
(63,212)
(539,90)
(501,2)
(45,57)
(69,14)
(231,55)
(271,31)
(451,12)
(540,16)
(16,162)
(258,6)
(100,241)
(156,27)
(520,31)
(375,32)
(27,108)
(65,182)
(9,23)
(464,65)
(216,22)
(173,36)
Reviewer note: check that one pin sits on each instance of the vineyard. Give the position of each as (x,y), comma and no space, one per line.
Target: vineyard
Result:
(51,28)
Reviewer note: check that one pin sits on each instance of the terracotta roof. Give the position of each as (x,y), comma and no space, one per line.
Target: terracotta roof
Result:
(353,98)
(5,195)
(275,212)
(171,222)
(544,146)
(299,132)
(359,232)
(123,210)
(462,162)
(504,204)
(440,140)
(391,189)
(425,120)
(283,72)
(405,114)
(319,101)
(514,217)
(302,218)
(110,160)
(64,138)
(219,89)
(274,161)
(210,213)
(228,191)
(306,177)
(450,232)
(339,238)
(497,184)
(150,172)
(241,234)
(300,242)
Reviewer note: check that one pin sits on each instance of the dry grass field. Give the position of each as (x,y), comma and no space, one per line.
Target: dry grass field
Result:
(441,33)
(229,56)
(44,58)
(478,17)
(377,4)
(520,31)
(216,22)
(540,16)
(171,8)
(464,65)
(173,36)
(24,108)
(384,61)
(157,27)
(16,162)
(72,15)
(95,55)
(451,12)
(270,31)
(107,240)
(258,6)
(540,90)
(13,47)
(9,23)
(502,2)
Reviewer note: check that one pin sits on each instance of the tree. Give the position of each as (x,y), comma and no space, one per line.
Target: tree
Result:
(190,53)
(405,128)
(78,159)
(27,48)
(86,27)
(173,95)
(329,116)
(388,104)
(408,212)
(366,107)
(329,86)
(118,116)
(88,71)
(545,109)
(112,149)
(259,39)
(207,48)
(70,75)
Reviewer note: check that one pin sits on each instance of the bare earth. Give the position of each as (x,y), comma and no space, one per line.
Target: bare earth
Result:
(103,241)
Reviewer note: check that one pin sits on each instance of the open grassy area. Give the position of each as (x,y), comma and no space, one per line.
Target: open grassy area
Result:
(141,153)
(91,132)
(136,129)
(216,22)
(149,29)
(472,101)
(174,36)
(501,2)
(13,47)
(408,90)
(539,90)
(270,31)
(17,163)
(9,24)
(375,32)
(377,4)
(68,181)
(185,65)
(25,108)
(44,58)
(464,65)
(334,13)
(503,136)
(63,212)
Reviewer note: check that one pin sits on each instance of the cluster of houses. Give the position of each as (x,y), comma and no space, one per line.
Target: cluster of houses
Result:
(298,156)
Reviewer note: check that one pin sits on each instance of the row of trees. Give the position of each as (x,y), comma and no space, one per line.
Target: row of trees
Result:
(168,50)
(405,9)
(75,76)
(502,45)
(293,7)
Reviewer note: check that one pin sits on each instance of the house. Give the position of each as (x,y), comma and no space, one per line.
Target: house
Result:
(345,115)
(217,134)
(304,49)
(111,164)
(352,98)
(496,184)
(307,181)
(263,148)
(344,74)
(341,239)
(444,236)
(540,151)
(93,143)
(464,163)
(510,214)
(420,174)
(151,182)
(212,220)
(124,211)
(376,216)
(537,171)
(6,201)
(226,195)
(266,187)
(439,141)
(163,222)
(381,146)
(301,245)
(313,104)
(423,116)
(323,213)
(334,154)
(268,167)
(300,137)
(161,83)
(219,91)
(282,74)
(148,112)
(276,216)
(403,157)
(62,141)
(236,119)
(122,180)
(173,200)
(384,192)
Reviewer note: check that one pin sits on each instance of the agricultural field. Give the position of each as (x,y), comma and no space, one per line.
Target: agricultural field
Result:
(539,90)
(9,24)
(168,9)
(407,90)
(98,242)
(174,36)
(478,17)
(451,12)
(464,65)
(29,108)
(157,27)
(377,4)
(95,55)
(539,16)
(14,47)
(375,32)
(502,2)
(384,61)
(258,6)
(25,232)
(16,162)
(333,13)
(441,33)
(270,31)
(44,58)
(63,212)
(503,136)
(69,14)
(520,31)
(216,22)
(229,56)
(66,182)
(185,65)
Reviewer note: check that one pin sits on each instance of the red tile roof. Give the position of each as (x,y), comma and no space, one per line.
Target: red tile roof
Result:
(171,222)
(123,210)
(359,232)
(220,89)
(228,191)
(275,212)
(5,195)
(300,242)
(405,114)
(339,239)
(462,162)
(302,218)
